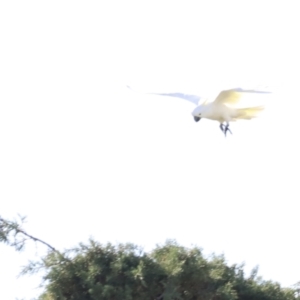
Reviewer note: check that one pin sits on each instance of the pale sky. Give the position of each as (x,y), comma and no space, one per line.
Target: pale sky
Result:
(81,155)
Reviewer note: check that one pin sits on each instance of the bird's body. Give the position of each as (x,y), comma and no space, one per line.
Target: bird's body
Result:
(223,113)
(225,108)
(214,112)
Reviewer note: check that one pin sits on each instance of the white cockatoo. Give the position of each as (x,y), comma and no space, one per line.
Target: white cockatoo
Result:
(226,108)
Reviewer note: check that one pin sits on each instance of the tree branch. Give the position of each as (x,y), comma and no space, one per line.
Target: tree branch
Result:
(12,228)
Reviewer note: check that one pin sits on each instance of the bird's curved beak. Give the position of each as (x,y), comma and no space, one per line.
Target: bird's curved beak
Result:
(197,119)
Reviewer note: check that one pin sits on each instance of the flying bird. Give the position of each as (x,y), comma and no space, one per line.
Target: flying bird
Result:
(224,109)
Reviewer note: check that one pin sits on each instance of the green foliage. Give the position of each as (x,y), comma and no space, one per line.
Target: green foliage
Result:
(103,272)
(169,272)
(124,272)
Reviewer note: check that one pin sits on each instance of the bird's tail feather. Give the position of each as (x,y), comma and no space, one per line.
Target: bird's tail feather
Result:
(248,113)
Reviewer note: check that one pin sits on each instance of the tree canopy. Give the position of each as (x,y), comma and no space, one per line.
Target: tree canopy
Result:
(95,271)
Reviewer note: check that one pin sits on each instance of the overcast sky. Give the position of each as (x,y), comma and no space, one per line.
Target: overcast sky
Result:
(81,155)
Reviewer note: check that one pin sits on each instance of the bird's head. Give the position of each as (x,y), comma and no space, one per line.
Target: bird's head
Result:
(197,113)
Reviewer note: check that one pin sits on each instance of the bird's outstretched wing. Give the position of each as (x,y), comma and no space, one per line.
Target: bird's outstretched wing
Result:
(192,98)
(229,97)
(233,96)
